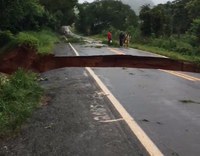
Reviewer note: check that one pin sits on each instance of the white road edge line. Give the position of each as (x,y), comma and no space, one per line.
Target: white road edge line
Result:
(148,144)
(77,54)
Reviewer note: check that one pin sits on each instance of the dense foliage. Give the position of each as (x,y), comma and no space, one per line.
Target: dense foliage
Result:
(62,10)
(18,15)
(95,17)
(174,26)
(22,23)
(168,19)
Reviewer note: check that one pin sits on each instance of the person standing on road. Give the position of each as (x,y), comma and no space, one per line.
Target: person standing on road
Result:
(109,35)
(127,40)
(121,39)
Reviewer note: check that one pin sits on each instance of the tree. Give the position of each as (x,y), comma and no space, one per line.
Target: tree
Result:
(181,20)
(63,10)
(146,20)
(195,28)
(18,15)
(193,7)
(158,20)
(100,15)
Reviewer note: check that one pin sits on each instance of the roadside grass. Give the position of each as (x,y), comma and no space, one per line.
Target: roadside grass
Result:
(20,94)
(42,41)
(167,53)
(171,54)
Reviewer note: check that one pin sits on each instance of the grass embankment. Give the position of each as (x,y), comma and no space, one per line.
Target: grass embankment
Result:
(42,41)
(20,94)
(194,58)
(167,53)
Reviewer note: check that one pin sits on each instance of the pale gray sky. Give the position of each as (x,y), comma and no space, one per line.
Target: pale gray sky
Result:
(155,1)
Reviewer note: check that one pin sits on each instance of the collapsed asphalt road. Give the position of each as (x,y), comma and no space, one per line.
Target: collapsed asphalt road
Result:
(11,61)
(165,104)
(78,120)
(76,88)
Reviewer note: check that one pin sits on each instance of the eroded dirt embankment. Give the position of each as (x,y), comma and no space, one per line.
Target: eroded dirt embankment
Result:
(29,60)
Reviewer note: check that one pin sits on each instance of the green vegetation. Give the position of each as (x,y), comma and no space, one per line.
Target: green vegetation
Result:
(61,11)
(20,94)
(27,24)
(158,48)
(41,41)
(167,53)
(93,18)
(171,29)
(24,23)
(28,15)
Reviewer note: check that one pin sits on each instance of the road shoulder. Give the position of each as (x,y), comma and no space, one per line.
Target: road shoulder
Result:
(73,122)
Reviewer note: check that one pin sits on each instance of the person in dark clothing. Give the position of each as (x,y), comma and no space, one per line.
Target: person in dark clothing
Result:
(121,39)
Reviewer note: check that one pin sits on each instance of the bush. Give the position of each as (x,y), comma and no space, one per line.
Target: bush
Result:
(42,41)
(195,28)
(184,48)
(46,40)
(135,33)
(168,44)
(19,96)
(25,39)
(5,37)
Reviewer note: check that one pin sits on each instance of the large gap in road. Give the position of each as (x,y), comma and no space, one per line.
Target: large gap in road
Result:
(28,59)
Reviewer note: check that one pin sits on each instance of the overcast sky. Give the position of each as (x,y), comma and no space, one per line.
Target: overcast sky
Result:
(155,1)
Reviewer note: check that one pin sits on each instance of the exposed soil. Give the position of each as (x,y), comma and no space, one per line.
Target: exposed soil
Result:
(30,60)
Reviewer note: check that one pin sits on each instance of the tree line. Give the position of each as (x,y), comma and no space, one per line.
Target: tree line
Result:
(173,26)
(177,17)
(20,15)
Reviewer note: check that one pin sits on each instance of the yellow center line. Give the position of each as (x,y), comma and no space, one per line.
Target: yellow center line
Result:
(181,75)
(147,143)
(116,51)
(184,76)
(189,76)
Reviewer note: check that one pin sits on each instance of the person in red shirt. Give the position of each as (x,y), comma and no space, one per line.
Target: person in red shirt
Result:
(109,38)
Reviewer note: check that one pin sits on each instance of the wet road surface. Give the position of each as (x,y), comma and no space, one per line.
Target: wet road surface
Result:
(165,104)
(77,120)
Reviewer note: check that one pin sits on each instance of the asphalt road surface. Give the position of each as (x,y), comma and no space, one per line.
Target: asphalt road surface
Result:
(165,104)
(75,118)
